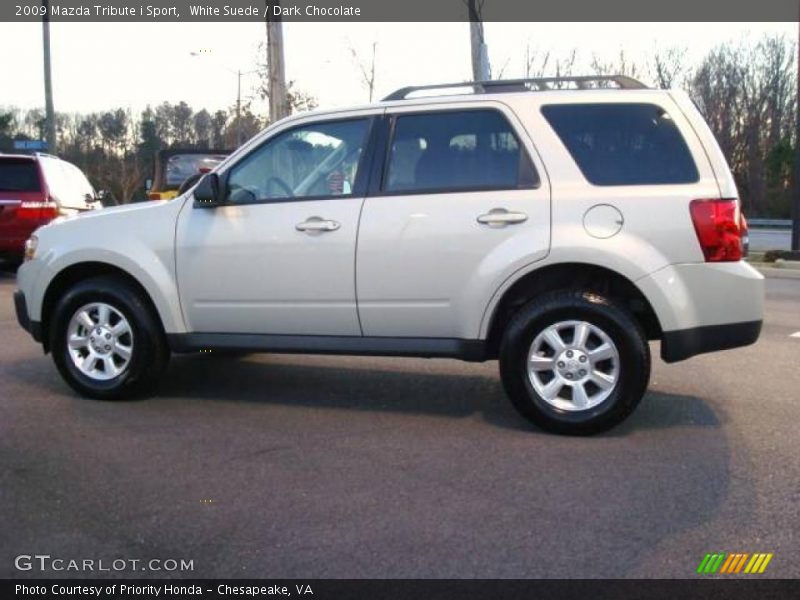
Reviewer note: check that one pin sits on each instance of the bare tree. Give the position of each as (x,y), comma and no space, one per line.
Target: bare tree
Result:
(668,67)
(499,74)
(366,69)
(541,64)
(300,100)
(622,66)
(747,95)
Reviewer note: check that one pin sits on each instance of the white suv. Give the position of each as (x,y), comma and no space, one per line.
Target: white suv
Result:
(557,230)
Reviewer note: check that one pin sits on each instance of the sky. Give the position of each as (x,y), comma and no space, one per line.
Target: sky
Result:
(101,66)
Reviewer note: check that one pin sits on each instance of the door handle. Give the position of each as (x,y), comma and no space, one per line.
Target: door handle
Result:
(500,217)
(317,224)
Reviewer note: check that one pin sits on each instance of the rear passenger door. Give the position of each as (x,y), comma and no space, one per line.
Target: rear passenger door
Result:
(460,202)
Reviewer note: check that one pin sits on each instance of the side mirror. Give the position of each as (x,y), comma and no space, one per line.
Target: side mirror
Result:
(189,183)
(207,193)
(105,198)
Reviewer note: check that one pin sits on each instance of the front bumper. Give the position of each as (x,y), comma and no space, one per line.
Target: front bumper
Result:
(21,307)
(684,343)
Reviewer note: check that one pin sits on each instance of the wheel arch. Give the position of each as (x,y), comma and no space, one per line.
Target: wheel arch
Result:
(565,276)
(74,273)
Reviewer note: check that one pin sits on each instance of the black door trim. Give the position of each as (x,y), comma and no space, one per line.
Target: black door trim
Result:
(470,350)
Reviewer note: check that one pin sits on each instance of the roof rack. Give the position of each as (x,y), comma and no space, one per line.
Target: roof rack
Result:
(497,86)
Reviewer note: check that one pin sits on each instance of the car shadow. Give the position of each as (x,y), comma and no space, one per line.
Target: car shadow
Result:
(350,386)
(8,269)
(593,507)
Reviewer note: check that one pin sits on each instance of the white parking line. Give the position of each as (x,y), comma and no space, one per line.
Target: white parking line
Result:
(795,334)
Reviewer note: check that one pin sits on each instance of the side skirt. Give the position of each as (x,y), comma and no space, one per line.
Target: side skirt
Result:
(469,350)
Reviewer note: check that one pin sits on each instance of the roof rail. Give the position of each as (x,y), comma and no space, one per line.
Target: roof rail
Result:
(497,86)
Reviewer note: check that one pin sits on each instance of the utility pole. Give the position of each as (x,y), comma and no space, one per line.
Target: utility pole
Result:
(49,111)
(480,52)
(796,187)
(278,97)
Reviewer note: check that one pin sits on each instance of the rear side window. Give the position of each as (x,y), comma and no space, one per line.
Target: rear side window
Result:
(57,181)
(19,175)
(459,150)
(623,144)
(80,184)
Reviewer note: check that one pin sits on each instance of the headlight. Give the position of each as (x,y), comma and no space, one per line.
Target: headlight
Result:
(30,247)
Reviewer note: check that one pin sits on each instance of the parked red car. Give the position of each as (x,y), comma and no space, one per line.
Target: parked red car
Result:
(34,190)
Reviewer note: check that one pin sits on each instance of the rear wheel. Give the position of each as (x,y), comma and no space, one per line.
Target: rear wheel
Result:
(574,362)
(106,341)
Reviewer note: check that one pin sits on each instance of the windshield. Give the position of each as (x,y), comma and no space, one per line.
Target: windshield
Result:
(182,166)
(19,175)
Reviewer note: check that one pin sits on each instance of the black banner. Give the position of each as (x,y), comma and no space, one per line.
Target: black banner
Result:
(396,10)
(432,589)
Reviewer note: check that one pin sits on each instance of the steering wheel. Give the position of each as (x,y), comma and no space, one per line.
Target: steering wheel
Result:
(281,184)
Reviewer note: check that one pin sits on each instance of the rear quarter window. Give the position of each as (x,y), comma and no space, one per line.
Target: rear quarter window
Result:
(623,144)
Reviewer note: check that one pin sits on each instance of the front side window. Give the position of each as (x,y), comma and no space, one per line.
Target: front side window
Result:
(623,144)
(459,150)
(312,161)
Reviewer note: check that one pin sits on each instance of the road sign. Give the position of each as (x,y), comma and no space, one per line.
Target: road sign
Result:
(30,145)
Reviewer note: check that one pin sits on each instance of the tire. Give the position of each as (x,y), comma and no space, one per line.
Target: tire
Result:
(534,367)
(140,336)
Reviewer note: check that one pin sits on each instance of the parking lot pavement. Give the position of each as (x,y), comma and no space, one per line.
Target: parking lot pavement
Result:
(304,466)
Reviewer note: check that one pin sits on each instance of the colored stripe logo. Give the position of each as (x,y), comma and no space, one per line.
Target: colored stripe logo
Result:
(733,563)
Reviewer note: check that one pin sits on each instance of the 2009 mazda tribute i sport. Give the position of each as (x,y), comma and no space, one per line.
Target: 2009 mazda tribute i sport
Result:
(557,230)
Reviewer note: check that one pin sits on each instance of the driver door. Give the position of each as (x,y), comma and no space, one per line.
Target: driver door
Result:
(279,256)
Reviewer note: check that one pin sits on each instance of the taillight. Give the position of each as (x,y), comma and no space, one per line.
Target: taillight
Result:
(37,210)
(718,228)
(745,236)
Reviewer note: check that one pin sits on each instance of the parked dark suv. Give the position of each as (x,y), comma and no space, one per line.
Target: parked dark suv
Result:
(34,190)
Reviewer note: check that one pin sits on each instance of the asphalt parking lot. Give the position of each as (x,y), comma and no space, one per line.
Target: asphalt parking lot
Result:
(308,466)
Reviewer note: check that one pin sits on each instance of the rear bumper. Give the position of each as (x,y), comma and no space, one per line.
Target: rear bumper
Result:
(14,234)
(704,307)
(684,343)
(21,307)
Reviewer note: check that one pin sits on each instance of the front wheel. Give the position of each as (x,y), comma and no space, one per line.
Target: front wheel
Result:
(106,340)
(574,362)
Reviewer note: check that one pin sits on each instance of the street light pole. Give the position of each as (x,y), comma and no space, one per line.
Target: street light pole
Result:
(238,107)
(238,73)
(49,111)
